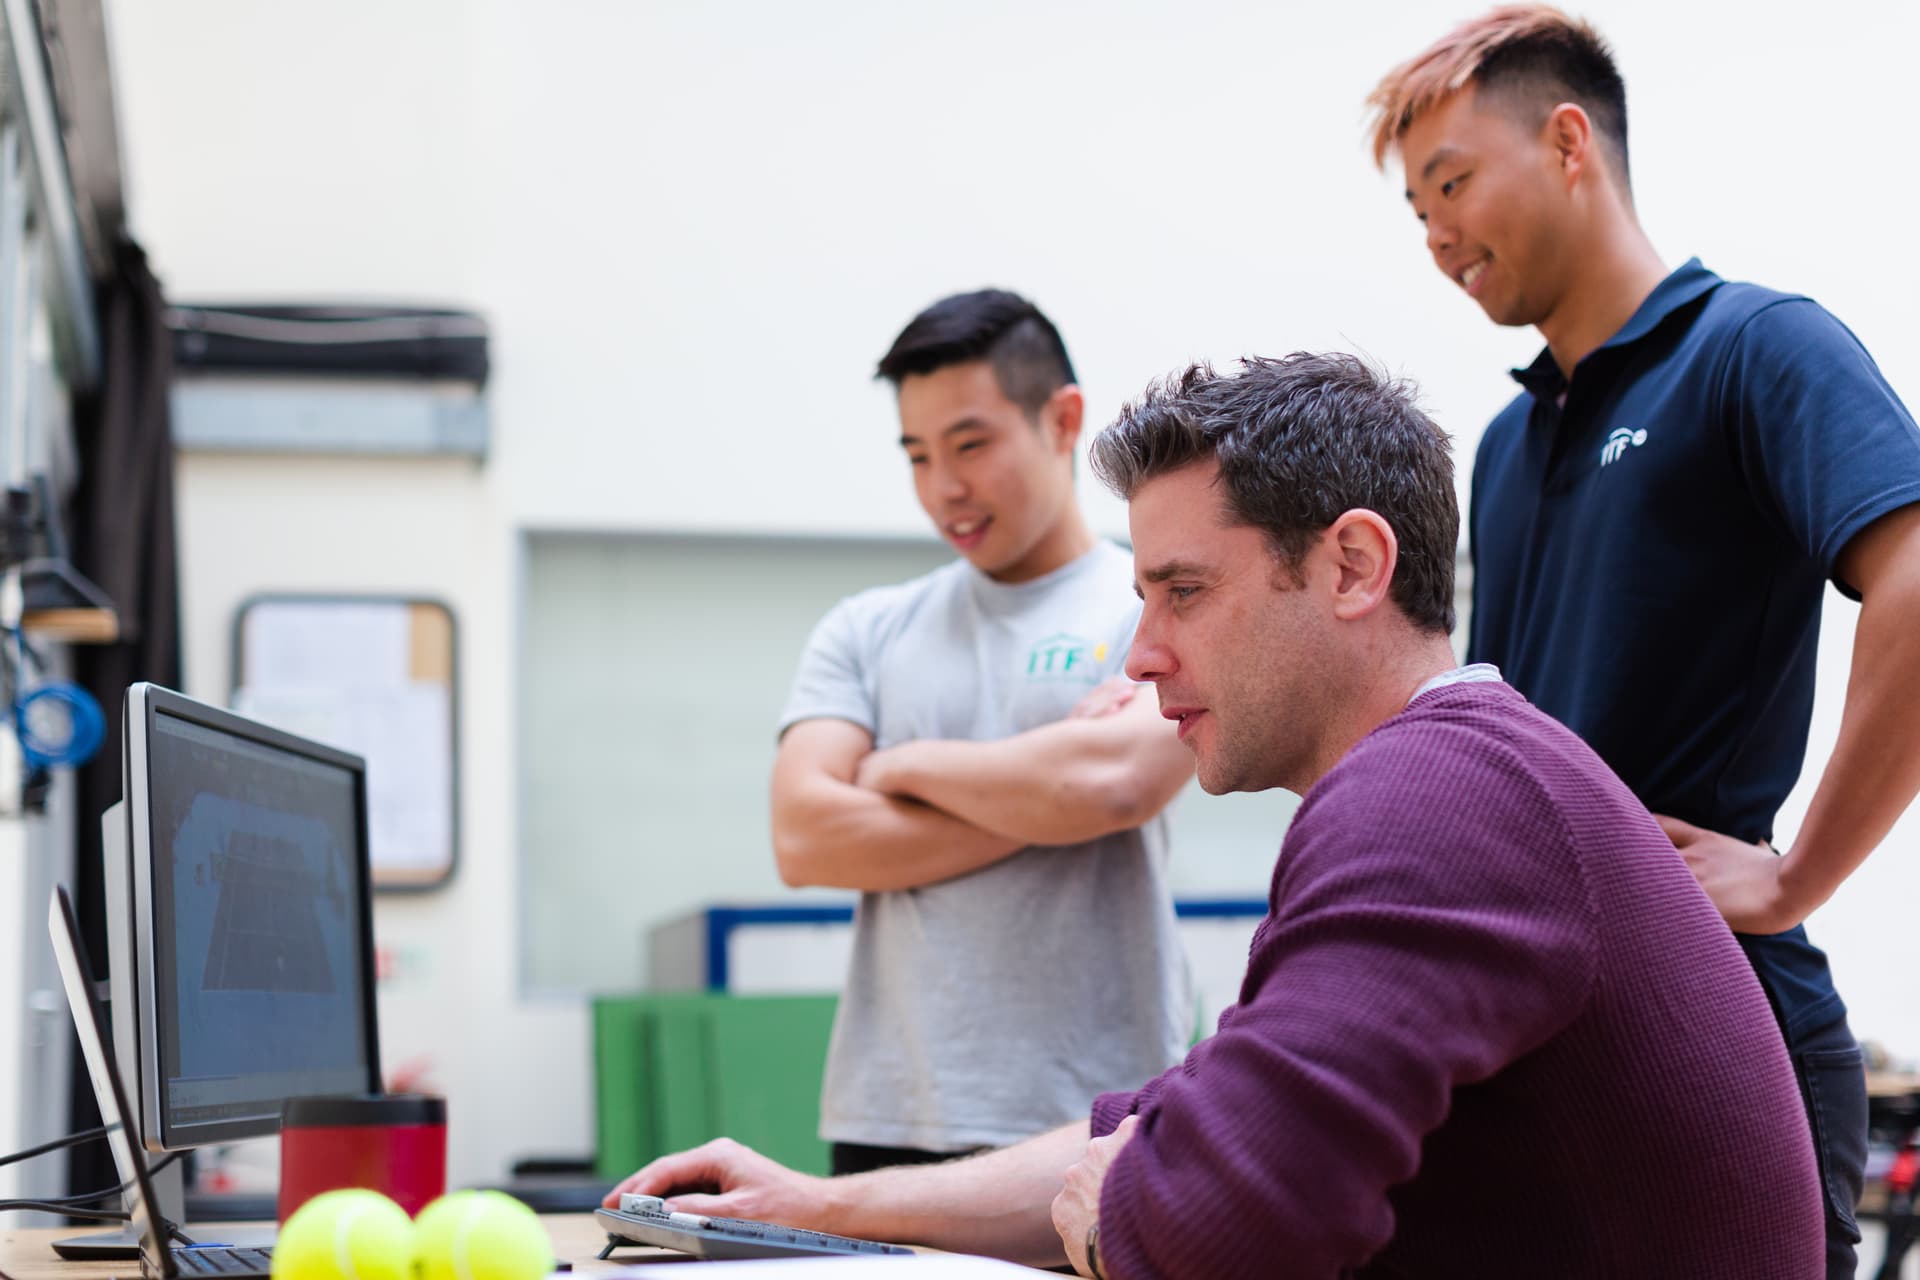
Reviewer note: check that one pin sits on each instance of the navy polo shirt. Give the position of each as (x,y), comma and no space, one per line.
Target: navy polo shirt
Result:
(1651,540)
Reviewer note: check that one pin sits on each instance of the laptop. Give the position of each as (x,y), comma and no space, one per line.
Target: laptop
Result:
(159,1260)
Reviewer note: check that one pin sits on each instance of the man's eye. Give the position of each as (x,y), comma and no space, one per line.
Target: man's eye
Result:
(917,460)
(1452,185)
(970,445)
(1182,593)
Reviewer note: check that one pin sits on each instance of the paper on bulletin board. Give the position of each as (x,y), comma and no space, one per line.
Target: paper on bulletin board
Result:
(353,674)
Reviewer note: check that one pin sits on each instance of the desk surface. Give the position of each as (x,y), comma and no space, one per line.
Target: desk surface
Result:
(28,1254)
(1890,1084)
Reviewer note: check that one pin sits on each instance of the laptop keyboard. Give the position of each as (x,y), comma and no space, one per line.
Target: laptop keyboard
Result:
(220,1260)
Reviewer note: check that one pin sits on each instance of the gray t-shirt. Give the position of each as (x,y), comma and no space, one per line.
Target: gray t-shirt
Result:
(993,1006)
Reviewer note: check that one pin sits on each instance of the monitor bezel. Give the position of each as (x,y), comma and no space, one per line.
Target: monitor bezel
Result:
(145,704)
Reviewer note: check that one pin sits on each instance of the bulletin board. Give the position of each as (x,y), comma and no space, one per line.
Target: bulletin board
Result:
(374,675)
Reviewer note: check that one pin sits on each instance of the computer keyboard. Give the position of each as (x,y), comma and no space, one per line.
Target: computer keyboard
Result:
(645,1220)
(222,1260)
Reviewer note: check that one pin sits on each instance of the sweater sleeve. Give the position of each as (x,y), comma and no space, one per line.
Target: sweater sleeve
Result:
(1431,925)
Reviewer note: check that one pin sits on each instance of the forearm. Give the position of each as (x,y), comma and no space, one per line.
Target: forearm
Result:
(997,1204)
(837,835)
(1874,772)
(1062,783)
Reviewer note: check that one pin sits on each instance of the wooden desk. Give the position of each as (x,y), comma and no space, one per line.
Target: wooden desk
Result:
(1890,1084)
(28,1254)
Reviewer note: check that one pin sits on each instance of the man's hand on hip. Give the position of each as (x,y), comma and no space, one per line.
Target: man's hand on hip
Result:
(1742,879)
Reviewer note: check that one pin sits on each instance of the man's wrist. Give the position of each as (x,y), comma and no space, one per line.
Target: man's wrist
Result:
(838,1203)
(1801,888)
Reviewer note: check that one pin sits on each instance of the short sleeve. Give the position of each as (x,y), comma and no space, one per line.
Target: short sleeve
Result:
(1824,443)
(834,680)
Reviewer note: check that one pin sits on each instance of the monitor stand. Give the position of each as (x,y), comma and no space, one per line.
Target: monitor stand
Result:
(105,1246)
(125,1242)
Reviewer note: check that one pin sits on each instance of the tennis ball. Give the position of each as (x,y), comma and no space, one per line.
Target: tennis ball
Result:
(480,1235)
(350,1234)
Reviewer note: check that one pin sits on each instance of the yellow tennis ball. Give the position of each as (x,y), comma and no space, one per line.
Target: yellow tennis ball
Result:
(350,1234)
(480,1235)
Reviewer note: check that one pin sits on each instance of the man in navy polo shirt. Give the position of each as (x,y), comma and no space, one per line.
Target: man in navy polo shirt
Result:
(1655,516)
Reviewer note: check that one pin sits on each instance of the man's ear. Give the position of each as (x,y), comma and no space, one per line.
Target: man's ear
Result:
(1062,415)
(1363,551)
(1569,130)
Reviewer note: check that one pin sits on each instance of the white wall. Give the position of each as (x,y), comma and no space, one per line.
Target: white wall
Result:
(695,226)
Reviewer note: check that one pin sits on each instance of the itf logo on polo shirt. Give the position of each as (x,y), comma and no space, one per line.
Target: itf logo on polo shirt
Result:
(1618,442)
(1066,657)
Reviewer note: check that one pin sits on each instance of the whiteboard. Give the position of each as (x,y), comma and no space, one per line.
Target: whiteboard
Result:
(654,669)
(374,675)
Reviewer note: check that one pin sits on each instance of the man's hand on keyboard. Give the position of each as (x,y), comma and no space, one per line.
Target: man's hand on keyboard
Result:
(726,1180)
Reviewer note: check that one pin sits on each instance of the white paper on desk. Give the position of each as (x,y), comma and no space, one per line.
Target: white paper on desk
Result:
(958,1266)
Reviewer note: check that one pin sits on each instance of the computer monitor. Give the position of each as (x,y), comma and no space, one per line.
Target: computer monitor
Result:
(239,922)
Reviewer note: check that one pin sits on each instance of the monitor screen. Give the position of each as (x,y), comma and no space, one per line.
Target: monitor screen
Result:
(256,900)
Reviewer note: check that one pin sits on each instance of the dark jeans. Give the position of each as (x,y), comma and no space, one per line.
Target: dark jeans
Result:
(851,1157)
(1833,1084)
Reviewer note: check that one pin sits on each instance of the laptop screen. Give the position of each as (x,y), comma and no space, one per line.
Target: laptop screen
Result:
(90,1021)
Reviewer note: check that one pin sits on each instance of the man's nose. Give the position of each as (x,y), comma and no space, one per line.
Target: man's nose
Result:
(949,482)
(1148,659)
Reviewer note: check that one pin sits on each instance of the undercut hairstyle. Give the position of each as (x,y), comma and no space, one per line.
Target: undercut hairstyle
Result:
(1523,60)
(995,325)
(1300,441)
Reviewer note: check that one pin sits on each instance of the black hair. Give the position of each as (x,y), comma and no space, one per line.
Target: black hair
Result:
(995,325)
(1560,63)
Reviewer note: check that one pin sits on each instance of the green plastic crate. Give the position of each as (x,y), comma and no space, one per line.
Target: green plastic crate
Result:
(674,1070)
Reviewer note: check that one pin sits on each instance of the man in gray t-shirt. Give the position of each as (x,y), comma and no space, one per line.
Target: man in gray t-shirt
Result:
(964,749)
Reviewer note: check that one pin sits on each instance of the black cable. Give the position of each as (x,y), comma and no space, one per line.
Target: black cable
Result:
(69,1205)
(53,1206)
(83,1199)
(87,1197)
(71,1140)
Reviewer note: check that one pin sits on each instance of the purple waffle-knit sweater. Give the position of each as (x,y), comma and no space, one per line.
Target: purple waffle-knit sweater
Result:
(1490,1027)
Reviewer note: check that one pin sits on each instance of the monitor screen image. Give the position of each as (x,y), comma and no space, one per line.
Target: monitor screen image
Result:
(258,885)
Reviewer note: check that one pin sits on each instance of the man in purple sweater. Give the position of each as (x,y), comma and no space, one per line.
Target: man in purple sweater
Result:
(1491,1025)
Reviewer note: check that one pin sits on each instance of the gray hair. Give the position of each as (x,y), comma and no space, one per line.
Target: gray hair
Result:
(1299,441)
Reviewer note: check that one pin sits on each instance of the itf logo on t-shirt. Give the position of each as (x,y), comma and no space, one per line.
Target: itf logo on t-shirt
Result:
(1617,443)
(1066,657)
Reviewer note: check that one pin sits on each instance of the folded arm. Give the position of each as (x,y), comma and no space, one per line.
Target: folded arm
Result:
(1062,783)
(828,831)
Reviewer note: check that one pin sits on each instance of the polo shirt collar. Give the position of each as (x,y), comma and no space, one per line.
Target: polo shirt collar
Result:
(1687,282)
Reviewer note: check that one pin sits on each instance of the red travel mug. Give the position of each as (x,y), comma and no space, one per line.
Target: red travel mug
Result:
(395,1144)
